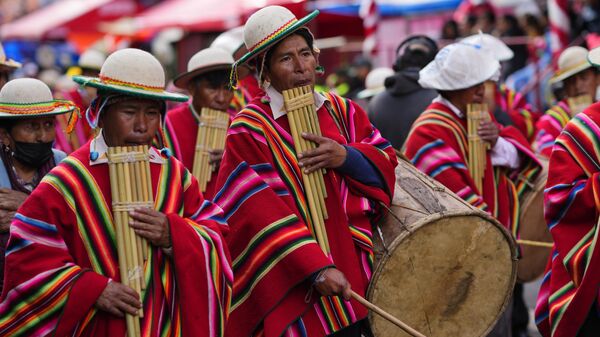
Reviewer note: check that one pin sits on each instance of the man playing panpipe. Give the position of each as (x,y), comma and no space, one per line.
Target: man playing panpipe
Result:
(568,302)
(285,285)
(579,80)
(62,268)
(207,81)
(439,144)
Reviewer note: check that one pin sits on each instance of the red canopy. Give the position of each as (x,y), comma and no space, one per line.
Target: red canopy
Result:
(65,17)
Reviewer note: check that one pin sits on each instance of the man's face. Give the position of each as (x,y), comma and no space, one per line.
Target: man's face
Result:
(464,97)
(582,83)
(30,130)
(207,95)
(292,64)
(131,122)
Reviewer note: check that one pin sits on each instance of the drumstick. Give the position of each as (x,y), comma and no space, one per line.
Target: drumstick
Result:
(386,315)
(535,243)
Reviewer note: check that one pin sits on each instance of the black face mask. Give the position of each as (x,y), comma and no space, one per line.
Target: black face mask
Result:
(33,154)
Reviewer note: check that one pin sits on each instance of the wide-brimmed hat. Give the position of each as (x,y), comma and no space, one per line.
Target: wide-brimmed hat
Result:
(268,26)
(92,59)
(6,62)
(231,40)
(570,62)
(375,82)
(491,44)
(458,66)
(204,61)
(30,98)
(132,72)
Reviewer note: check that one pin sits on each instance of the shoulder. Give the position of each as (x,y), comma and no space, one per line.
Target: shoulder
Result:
(58,155)
(178,111)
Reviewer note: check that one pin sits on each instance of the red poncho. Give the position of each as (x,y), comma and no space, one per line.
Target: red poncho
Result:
(62,252)
(519,111)
(549,127)
(271,240)
(572,203)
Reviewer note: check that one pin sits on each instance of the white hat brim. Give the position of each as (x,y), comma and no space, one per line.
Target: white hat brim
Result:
(566,74)
(57,111)
(182,80)
(139,92)
(438,83)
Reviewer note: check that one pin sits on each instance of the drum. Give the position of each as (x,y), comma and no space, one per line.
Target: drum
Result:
(442,266)
(532,227)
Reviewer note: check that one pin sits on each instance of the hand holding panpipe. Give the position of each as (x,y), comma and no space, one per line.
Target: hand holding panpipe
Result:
(476,113)
(211,135)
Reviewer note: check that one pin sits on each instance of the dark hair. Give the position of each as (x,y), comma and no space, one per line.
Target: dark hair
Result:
(408,57)
(7,124)
(215,78)
(303,32)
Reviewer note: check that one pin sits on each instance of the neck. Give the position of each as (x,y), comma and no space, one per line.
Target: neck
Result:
(25,172)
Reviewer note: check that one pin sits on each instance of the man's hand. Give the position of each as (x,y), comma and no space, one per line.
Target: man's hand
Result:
(328,154)
(215,156)
(151,225)
(118,299)
(489,132)
(332,282)
(11,200)
(6,218)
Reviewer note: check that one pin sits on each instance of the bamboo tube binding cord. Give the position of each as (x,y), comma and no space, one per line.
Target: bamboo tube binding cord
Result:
(579,103)
(477,113)
(212,132)
(302,117)
(131,187)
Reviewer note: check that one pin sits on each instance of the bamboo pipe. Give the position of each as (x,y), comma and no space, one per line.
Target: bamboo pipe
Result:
(138,195)
(131,234)
(541,244)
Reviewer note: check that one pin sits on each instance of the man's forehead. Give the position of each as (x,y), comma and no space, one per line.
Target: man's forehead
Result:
(292,42)
(138,102)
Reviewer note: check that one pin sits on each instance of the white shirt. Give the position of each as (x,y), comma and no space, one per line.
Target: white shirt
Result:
(278,107)
(504,152)
(98,145)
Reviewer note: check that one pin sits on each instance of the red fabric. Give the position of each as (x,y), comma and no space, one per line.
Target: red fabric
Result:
(251,85)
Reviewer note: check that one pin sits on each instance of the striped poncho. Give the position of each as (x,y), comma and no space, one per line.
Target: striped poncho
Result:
(438,146)
(62,253)
(549,127)
(272,245)
(572,204)
(519,111)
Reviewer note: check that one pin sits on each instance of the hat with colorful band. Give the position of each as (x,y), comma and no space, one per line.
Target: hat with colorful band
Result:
(6,62)
(31,98)
(202,62)
(132,72)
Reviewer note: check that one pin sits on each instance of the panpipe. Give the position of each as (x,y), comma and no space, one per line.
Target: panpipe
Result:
(476,113)
(302,117)
(212,132)
(131,188)
(579,103)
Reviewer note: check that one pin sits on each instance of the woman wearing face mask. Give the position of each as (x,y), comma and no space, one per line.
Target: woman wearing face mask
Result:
(27,113)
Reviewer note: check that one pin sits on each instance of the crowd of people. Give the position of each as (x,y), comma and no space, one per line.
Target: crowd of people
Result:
(241,255)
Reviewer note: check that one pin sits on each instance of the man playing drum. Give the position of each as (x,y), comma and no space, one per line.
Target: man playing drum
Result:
(62,269)
(568,302)
(284,283)
(438,144)
(579,79)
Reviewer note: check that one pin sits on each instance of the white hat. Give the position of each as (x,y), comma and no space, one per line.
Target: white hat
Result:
(374,83)
(29,97)
(570,62)
(132,72)
(92,59)
(458,66)
(490,44)
(7,63)
(206,60)
(231,40)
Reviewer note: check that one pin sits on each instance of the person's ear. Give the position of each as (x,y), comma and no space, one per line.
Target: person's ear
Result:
(5,138)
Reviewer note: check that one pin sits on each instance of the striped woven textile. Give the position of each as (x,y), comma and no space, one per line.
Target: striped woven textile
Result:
(549,127)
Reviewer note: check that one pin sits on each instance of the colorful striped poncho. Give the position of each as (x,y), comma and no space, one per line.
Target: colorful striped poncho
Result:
(519,111)
(62,253)
(549,127)
(572,203)
(271,240)
(438,146)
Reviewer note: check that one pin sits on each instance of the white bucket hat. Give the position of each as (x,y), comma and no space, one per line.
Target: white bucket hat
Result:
(29,97)
(204,61)
(132,72)
(375,82)
(570,62)
(491,44)
(6,62)
(458,66)
(92,59)
(231,40)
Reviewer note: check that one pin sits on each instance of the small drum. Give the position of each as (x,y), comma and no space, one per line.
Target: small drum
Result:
(533,227)
(442,266)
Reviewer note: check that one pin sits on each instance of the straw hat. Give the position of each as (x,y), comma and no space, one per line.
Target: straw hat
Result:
(7,63)
(231,40)
(490,44)
(92,59)
(132,72)
(458,66)
(268,26)
(570,62)
(204,61)
(374,83)
(29,97)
